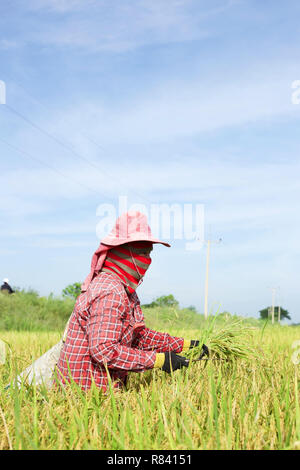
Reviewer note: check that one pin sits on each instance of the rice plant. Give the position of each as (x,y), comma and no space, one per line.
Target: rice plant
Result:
(233,339)
(226,404)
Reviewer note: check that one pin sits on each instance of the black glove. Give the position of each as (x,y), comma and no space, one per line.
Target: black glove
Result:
(195,343)
(173,362)
(204,352)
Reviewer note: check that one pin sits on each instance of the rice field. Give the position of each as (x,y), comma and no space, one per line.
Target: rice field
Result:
(244,403)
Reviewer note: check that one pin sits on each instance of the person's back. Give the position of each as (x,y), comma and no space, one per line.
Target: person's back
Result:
(5,288)
(78,354)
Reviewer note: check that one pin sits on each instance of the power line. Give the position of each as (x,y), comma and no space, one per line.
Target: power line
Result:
(69,148)
(31,157)
(55,139)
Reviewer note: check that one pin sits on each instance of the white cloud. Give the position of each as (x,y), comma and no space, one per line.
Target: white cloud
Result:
(57,243)
(59,6)
(6,44)
(189,107)
(16,203)
(7,252)
(235,196)
(120,26)
(217,180)
(35,229)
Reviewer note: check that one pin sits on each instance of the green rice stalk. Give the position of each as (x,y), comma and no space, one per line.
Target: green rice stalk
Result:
(232,340)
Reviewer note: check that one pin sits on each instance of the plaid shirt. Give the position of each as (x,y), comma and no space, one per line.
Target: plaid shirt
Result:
(107,333)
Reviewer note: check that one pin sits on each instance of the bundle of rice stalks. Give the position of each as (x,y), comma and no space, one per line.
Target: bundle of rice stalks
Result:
(232,340)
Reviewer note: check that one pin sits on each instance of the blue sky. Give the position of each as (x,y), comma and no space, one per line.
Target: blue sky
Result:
(166,102)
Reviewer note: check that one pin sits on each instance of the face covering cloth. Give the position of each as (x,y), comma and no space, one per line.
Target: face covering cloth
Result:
(130,262)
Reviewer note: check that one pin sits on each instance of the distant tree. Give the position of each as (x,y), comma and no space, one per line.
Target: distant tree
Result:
(192,308)
(266,312)
(165,301)
(225,314)
(72,290)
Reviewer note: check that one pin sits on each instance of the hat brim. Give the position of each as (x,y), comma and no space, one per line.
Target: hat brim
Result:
(113,241)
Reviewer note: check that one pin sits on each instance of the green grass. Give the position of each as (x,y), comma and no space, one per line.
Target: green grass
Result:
(26,311)
(246,403)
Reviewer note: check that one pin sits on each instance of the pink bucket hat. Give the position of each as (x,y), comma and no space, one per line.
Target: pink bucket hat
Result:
(130,227)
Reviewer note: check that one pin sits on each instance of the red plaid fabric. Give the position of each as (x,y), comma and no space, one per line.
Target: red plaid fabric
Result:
(107,333)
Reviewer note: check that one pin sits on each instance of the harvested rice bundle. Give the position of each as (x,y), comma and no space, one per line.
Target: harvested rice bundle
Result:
(230,341)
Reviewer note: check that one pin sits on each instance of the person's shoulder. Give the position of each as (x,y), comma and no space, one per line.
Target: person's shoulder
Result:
(104,284)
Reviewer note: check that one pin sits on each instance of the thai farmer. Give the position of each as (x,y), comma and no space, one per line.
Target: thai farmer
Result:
(6,287)
(107,333)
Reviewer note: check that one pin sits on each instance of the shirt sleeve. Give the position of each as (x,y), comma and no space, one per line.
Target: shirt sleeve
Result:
(104,330)
(149,340)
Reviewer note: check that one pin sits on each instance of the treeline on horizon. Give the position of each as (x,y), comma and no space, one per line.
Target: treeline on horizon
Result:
(28,311)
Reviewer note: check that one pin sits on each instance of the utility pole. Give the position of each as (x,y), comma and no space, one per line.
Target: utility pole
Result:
(273,304)
(279,307)
(206,280)
(209,242)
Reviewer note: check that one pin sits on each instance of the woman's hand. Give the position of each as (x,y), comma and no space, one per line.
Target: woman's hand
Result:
(170,361)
